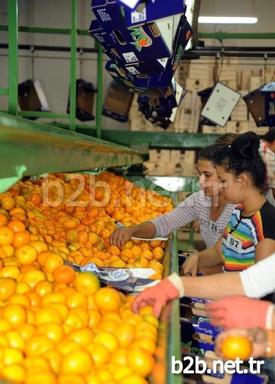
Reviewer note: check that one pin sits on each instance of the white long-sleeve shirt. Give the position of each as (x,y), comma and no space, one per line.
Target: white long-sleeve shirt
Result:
(195,207)
(259,280)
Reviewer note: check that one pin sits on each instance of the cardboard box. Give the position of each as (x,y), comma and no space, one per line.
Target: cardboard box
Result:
(159,155)
(208,129)
(131,45)
(152,10)
(113,12)
(118,102)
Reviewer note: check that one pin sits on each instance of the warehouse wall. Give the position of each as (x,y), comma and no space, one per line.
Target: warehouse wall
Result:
(264,10)
(52,69)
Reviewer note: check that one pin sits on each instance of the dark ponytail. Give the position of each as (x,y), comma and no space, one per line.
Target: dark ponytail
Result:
(243,156)
(209,152)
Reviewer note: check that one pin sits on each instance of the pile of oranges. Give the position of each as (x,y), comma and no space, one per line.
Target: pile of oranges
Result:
(59,326)
(78,226)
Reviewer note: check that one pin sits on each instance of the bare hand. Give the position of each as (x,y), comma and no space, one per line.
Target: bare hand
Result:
(191,265)
(120,236)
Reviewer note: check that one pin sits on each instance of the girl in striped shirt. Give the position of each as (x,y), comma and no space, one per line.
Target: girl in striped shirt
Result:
(208,206)
(250,233)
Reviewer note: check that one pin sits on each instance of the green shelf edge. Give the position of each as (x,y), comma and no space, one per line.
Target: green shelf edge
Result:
(43,148)
(138,139)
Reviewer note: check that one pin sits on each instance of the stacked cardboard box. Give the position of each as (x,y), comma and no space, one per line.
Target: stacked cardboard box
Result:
(188,114)
(237,73)
(164,162)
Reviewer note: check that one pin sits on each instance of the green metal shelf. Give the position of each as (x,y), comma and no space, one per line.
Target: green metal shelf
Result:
(149,139)
(41,148)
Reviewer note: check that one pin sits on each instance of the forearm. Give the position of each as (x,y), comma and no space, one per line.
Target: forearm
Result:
(213,287)
(209,258)
(146,230)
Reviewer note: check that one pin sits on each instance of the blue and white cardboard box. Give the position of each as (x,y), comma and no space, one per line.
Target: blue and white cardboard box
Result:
(113,12)
(132,43)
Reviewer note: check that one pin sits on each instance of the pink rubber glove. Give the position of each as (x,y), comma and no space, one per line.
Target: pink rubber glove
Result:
(159,295)
(240,312)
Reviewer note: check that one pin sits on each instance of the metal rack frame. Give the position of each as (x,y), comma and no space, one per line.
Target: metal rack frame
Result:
(74,32)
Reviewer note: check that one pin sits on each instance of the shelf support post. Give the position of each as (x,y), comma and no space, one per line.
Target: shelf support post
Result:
(99,96)
(73,60)
(13,56)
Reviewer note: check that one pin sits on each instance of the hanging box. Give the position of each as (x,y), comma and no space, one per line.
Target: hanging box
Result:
(118,102)
(113,12)
(160,78)
(132,43)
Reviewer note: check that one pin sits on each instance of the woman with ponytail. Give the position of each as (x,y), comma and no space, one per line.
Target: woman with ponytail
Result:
(249,235)
(248,238)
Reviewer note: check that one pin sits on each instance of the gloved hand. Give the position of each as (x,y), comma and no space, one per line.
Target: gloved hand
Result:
(120,236)
(159,295)
(191,265)
(257,336)
(240,312)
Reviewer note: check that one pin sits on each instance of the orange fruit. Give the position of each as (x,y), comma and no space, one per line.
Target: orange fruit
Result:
(120,356)
(78,361)
(82,336)
(100,354)
(147,343)
(71,379)
(47,315)
(35,198)
(7,203)
(7,287)
(122,372)
(87,283)
(140,361)
(26,254)
(33,277)
(234,347)
(10,271)
(20,299)
(6,236)
(8,249)
(94,318)
(158,253)
(21,238)
(114,250)
(38,345)
(147,254)
(14,373)
(4,325)
(54,358)
(34,297)
(15,340)
(64,274)
(36,364)
(3,220)
(16,226)
(43,288)
(155,243)
(108,299)
(15,314)
(133,379)
(53,297)
(40,246)
(93,238)
(52,331)
(77,300)
(52,262)
(125,334)
(107,339)
(26,331)
(108,325)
